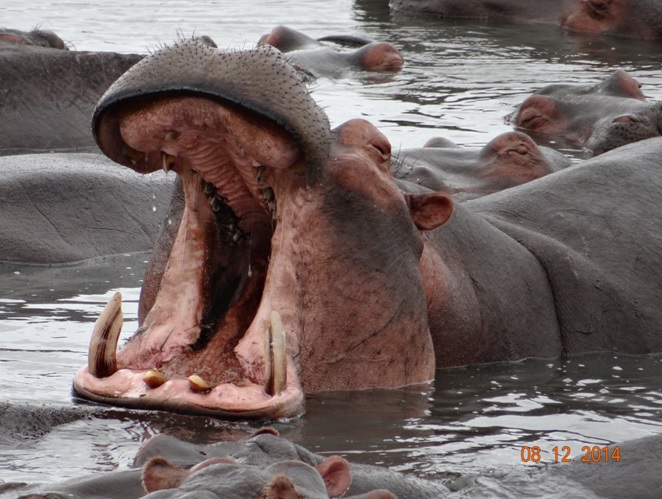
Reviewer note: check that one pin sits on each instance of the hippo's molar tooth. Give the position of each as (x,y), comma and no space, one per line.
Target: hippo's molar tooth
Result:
(102,354)
(197,384)
(167,161)
(154,378)
(275,360)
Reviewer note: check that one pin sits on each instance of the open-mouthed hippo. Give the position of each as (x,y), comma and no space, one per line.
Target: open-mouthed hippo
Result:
(300,266)
(598,117)
(321,59)
(509,159)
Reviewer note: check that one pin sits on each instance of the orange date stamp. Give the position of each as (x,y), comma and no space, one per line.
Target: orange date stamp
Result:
(590,454)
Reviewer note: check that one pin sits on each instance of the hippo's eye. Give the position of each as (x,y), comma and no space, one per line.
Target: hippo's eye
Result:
(383,147)
(599,6)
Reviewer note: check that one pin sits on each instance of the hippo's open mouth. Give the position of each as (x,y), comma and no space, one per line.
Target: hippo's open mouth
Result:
(213,340)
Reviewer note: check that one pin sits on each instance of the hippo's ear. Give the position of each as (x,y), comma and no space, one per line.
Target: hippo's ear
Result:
(429,210)
(336,475)
(159,473)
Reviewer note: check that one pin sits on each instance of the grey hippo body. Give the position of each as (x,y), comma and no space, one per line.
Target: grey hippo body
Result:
(65,208)
(508,160)
(300,266)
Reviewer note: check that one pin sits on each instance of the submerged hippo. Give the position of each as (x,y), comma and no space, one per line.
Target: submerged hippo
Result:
(39,37)
(48,96)
(629,18)
(321,59)
(65,208)
(261,466)
(509,159)
(299,265)
(598,117)
(265,463)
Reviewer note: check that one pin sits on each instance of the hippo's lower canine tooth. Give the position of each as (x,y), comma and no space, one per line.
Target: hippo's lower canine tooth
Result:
(275,364)
(102,354)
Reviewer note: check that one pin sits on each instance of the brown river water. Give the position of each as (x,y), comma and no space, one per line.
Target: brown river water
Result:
(460,80)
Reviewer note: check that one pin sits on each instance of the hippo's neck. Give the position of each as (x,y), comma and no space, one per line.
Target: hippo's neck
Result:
(488,297)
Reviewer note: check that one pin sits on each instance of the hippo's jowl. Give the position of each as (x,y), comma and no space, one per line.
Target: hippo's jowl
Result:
(298,265)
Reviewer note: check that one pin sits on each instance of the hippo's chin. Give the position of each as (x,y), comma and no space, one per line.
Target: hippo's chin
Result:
(127,388)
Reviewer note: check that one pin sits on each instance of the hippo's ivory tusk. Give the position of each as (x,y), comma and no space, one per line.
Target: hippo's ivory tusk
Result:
(275,359)
(102,354)
(154,378)
(197,384)
(167,161)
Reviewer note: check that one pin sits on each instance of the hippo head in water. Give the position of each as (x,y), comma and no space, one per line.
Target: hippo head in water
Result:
(39,37)
(631,18)
(274,282)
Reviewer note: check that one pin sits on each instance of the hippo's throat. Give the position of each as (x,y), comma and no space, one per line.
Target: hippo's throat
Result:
(211,342)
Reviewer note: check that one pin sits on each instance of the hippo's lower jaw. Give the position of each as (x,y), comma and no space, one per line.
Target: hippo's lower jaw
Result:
(213,341)
(102,382)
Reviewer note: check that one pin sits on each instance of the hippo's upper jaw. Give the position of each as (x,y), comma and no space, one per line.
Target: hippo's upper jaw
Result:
(295,266)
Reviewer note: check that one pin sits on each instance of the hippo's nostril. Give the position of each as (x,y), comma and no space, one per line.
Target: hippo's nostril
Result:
(628,118)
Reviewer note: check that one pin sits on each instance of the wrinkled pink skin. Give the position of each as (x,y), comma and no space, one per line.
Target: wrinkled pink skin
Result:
(571,113)
(321,59)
